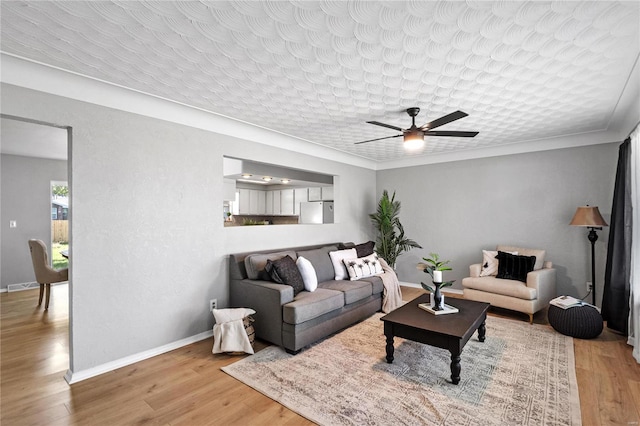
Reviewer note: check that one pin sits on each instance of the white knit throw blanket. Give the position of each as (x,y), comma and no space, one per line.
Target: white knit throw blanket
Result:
(392,295)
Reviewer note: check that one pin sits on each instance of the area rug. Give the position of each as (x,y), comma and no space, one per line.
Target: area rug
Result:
(521,375)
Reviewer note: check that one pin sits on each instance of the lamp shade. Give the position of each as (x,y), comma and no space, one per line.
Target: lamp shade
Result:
(413,140)
(588,216)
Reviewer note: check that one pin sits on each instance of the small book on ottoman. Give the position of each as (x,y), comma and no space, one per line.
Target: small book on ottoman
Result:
(566,302)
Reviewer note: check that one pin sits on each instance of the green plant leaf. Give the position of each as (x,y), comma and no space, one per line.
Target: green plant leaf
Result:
(391,241)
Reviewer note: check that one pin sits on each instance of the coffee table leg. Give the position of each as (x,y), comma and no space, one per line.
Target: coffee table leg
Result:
(455,368)
(389,348)
(482,331)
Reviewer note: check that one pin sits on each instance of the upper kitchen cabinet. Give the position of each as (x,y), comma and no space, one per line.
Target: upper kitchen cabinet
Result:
(300,195)
(324,193)
(287,202)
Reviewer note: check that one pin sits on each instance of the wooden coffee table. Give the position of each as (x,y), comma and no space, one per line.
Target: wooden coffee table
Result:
(448,331)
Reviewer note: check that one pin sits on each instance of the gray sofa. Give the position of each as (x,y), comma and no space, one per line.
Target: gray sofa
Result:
(295,322)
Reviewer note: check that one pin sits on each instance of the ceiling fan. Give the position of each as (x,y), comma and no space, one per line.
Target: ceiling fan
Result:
(414,136)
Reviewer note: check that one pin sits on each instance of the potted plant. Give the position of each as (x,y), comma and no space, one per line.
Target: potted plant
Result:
(434,267)
(391,241)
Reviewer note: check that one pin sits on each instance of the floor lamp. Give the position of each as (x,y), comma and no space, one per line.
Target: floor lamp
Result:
(591,218)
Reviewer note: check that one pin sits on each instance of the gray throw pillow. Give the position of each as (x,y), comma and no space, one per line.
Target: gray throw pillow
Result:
(285,271)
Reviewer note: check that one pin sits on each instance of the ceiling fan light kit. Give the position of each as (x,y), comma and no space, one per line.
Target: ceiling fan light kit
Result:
(414,136)
(413,141)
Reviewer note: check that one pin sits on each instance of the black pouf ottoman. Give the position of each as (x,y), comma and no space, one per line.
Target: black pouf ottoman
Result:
(582,322)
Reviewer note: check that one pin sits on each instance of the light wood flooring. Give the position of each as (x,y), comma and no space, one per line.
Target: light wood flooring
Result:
(186,386)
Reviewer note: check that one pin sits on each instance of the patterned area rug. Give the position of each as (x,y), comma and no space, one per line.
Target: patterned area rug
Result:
(521,375)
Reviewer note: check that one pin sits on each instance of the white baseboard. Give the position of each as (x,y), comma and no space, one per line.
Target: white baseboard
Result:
(414,285)
(22,286)
(28,286)
(3,290)
(79,376)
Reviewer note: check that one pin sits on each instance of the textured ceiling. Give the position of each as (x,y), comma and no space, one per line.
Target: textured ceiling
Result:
(320,70)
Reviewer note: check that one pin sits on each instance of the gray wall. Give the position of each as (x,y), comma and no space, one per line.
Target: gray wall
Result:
(142,278)
(457,209)
(26,198)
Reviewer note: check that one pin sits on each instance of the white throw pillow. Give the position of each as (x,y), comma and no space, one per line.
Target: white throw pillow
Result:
(363,267)
(308,273)
(336,259)
(490,263)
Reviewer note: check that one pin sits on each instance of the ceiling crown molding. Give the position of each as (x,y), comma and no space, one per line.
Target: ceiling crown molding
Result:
(45,78)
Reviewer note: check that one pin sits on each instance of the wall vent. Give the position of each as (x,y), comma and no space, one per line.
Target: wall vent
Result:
(22,286)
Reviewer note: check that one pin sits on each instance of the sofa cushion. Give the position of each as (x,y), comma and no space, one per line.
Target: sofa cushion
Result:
(495,285)
(514,267)
(365,249)
(539,254)
(362,249)
(285,271)
(376,283)
(363,267)
(308,274)
(255,263)
(307,306)
(339,267)
(353,290)
(321,262)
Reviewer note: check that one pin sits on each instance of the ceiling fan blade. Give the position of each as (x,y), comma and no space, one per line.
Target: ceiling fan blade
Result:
(457,115)
(450,133)
(377,123)
(378,139)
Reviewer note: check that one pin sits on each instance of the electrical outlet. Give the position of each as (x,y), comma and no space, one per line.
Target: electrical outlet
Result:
(589,285)
(213,304)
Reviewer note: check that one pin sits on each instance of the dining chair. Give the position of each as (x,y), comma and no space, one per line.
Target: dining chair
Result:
(45,274)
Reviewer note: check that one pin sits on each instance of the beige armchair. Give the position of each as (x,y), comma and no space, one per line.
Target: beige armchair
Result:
(45,274)
(529,297)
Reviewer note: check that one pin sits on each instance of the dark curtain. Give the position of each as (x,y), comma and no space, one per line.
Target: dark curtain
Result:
(617,281)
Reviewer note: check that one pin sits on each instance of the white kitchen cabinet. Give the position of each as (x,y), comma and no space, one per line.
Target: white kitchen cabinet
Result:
(251,201)
(262,202)
(286,202)
(257,201)
(268,204)
(324,193)
(277,207)
(244,203)
(229,190)
(327,193)
(315,194)
(300,195)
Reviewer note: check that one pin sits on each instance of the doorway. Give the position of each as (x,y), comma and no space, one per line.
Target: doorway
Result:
(36,157)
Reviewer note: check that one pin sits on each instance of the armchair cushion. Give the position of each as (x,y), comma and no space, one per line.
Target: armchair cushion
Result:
(490,262)
(539,254)
(514,267)
(495,285)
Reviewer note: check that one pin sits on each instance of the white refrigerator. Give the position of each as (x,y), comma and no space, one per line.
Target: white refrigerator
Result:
(316,212)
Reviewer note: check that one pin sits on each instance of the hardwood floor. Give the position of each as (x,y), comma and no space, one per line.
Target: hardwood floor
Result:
(186,386)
